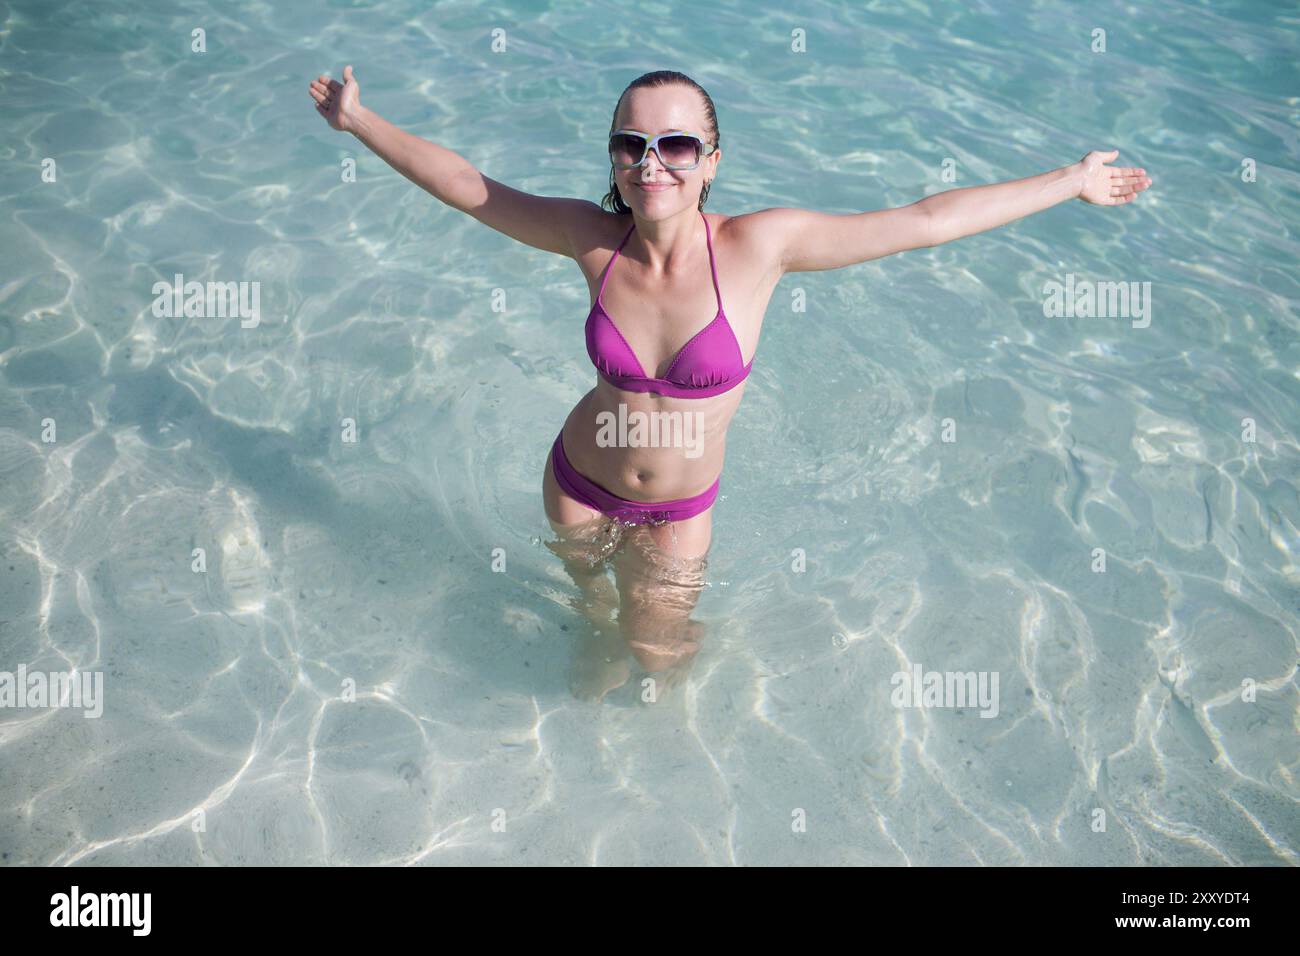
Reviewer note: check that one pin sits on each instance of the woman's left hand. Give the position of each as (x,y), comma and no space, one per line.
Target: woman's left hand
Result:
(1110,186)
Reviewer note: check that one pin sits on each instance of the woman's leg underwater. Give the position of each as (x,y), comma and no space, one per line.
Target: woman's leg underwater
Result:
(660,574)
(584,540)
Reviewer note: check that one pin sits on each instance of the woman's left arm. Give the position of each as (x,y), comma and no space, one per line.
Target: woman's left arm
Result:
(964,212)
(813,241)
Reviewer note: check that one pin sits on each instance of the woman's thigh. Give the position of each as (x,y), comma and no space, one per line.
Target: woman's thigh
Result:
(671,543)
(561,510)
(659,572)
(583,536)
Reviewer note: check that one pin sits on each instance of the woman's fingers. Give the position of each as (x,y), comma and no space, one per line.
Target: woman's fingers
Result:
(326,85)
(1126,186)
(1130,174)
(327,94)
(1129,177)
(324,90)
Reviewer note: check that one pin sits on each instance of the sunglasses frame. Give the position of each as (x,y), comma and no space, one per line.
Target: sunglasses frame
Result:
(652,142)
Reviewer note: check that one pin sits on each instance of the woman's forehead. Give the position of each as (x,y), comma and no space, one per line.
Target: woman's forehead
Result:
(673,108)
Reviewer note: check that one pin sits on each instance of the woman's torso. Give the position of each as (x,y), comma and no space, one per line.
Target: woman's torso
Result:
(657,317)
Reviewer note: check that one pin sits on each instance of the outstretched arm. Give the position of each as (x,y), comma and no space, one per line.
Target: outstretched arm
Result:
(810,241)
(544,222)
(964,212)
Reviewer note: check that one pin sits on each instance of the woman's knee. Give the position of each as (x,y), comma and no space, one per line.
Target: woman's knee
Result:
(659,641)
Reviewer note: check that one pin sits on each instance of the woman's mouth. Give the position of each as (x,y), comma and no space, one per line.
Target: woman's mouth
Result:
(656,187)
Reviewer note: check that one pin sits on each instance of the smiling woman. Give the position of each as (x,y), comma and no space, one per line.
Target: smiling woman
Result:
(646,508)
(675,149)
(1002,560)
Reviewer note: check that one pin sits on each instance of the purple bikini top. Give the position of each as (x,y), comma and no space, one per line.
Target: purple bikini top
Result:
(710,363)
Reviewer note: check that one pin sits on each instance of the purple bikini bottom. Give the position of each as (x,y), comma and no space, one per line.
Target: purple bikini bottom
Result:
(584,490)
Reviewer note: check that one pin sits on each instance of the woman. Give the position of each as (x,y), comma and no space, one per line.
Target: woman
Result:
(678,304)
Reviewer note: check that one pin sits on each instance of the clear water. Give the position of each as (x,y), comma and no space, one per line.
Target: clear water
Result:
(371,562)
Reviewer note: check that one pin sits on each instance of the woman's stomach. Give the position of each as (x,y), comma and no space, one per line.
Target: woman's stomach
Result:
(648,447)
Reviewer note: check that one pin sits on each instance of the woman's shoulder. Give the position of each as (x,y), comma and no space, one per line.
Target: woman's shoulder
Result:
(756,236)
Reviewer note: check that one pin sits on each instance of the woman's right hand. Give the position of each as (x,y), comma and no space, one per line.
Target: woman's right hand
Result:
(338,102)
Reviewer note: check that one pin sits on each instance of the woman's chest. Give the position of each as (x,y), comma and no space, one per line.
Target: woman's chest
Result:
(658,316)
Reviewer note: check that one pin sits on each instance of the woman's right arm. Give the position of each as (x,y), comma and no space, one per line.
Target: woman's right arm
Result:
(543,222)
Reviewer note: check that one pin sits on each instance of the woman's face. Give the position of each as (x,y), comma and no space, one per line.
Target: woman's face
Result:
(655,110)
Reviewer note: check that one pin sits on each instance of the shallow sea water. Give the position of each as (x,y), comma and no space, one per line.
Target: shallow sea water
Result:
(334,565)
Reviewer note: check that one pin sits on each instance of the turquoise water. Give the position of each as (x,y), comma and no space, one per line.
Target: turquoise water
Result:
(369,564)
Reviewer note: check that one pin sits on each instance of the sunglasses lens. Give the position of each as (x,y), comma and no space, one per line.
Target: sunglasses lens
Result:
(679,152)
(625,150)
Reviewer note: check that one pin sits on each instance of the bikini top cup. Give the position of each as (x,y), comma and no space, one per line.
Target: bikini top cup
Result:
(710,363)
